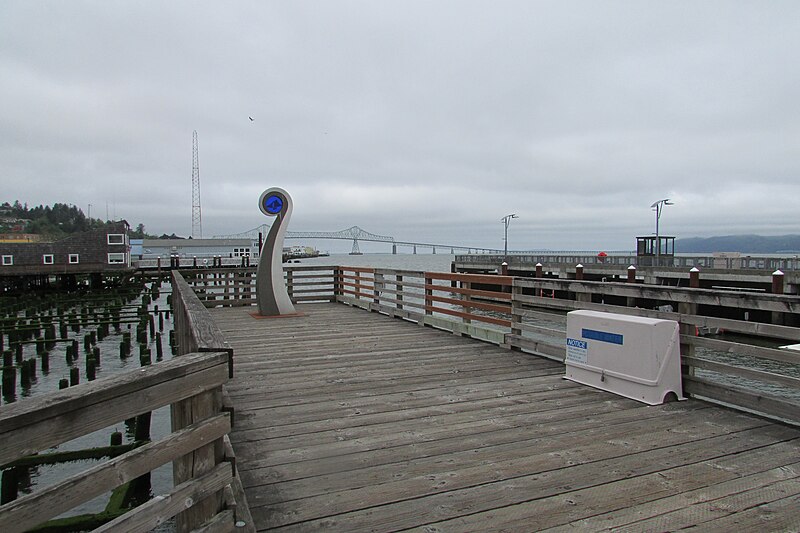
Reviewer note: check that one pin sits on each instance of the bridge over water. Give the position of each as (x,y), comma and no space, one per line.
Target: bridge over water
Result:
(356,234)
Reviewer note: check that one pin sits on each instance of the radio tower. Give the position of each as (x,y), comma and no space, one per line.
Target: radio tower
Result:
(197,223)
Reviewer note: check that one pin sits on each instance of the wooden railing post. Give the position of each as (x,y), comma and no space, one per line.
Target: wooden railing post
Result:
(516,316)
(428,294)
(466,297)
(290,284)
(337,282)
(377,287)
(200,461)
(399,287)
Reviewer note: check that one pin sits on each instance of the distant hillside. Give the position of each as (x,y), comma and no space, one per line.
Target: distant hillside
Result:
(747,244)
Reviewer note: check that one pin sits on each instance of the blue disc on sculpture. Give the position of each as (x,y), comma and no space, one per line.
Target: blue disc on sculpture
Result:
(271,294)
(273,202)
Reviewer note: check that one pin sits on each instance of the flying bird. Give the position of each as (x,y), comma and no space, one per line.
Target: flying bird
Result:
(251,119)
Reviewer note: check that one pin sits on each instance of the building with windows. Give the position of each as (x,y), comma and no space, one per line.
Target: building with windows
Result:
(190,248)
(93,252)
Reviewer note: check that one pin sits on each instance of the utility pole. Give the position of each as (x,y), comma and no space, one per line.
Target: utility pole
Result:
(658,207)
(197,223)
(506,220)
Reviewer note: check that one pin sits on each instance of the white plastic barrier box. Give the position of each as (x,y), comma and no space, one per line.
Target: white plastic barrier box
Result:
(632,356)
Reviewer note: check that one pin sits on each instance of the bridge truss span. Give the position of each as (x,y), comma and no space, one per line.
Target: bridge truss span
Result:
(356,234)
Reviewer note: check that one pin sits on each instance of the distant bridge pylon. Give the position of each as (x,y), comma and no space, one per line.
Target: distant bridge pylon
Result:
(356,234)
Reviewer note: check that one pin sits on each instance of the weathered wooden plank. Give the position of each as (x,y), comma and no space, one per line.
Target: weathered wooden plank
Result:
(557,334)
(378,370)
(464,423)
(778,515)
(386,439)
(355,415)
(762,301)
(335,392)
(471,278)
(489,320)
(71,399)
(772,354)
(472,451)
(205,334)
(631,501)
(242,515)
(550,350)
(749,373)
(203,460)
(222,522)
(462,410)
(470,292)
(759,402)
(161,508)
(46,432)
(35,508)
(471,304)
(738,326)
(705,513)
(485,487)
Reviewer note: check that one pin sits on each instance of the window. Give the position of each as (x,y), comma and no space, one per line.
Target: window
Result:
(116,238)
(47,259)
(116,259)
(241,252)
(74,259)
(8,260)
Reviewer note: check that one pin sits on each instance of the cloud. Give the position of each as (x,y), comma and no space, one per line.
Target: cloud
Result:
(421,120)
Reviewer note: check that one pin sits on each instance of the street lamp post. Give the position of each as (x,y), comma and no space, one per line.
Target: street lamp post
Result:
(658,207)
(506,220)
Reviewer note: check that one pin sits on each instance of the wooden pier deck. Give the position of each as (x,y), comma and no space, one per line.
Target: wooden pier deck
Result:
(352,421)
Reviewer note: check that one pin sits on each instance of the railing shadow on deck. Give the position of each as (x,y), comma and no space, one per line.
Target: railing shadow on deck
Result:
(743,368)
(206,493)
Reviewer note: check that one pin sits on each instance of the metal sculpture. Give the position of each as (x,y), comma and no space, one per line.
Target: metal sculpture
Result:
(271,294)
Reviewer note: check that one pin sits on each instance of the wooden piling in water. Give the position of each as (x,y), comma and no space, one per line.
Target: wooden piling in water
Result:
(9,485)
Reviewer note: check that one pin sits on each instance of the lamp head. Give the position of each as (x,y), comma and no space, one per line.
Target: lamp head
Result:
(665,201)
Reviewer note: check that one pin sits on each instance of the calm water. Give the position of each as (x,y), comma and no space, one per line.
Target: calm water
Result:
(423,262)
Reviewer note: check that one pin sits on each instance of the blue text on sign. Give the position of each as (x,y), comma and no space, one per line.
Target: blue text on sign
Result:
(602,336)
(575,343)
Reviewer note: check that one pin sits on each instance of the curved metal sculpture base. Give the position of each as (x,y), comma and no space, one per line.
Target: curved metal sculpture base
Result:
(271,295)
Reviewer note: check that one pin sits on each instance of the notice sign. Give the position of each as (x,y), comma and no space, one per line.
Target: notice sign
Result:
(576,351)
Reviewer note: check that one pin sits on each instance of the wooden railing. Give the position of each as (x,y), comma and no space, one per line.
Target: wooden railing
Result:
(731,360)
(625,259)
(206,494)
(231,287)
(36,424)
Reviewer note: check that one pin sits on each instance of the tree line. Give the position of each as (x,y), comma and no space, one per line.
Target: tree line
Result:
(58,220)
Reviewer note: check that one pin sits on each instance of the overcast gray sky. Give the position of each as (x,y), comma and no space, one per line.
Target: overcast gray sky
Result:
(422,120)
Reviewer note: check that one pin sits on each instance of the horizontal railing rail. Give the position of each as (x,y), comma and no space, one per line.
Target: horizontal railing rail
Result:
(234,287)
(766,263)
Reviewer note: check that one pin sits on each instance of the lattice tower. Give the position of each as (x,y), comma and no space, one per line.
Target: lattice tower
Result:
(197,219)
